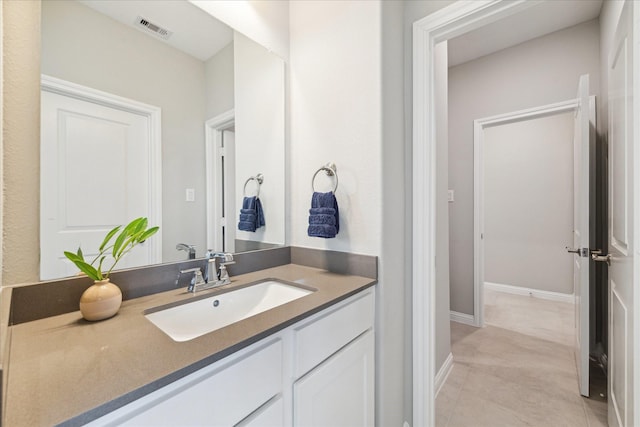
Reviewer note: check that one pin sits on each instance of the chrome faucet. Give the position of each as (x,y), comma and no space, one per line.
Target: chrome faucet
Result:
(211,279)
(190,249)
(222,277)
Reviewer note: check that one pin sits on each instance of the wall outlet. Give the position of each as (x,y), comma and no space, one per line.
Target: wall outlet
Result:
(450,196)
(190,195)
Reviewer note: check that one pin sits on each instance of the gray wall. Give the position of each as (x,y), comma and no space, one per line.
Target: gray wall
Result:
(534,73)
(414,11)
(391,386)
(443,324)
(219,82)
(528,203)
(85,47)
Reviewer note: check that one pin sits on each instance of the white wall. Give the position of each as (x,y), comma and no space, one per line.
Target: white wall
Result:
(534,73)
(336,117)
(20,141)
(336,92)
(260,138)
(88,48)
(528,203)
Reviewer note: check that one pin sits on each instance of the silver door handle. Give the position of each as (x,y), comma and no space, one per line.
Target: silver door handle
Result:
(601,258)
(573,251)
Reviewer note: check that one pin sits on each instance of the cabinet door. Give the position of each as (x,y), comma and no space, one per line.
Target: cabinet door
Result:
(340,391)
(270,415)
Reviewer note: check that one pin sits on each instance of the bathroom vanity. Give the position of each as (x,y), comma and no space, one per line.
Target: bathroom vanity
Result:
(306,362)
(317,372)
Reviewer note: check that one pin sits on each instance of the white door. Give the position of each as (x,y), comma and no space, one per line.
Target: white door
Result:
(94,175)
(623,362)
(582,229)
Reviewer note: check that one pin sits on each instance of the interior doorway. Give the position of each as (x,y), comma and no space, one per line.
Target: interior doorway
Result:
(524,203)
(440,26)
(221,181)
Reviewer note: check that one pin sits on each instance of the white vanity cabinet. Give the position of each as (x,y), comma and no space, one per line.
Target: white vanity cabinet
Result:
(317,372)
(334,356)
(339,392)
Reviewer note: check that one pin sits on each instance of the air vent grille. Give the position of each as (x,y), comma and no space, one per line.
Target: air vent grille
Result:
(152,28)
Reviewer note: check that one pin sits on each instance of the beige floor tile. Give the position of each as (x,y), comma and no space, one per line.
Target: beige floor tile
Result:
(596,412)
(482,411)
(550,320)
(517,371)
(448,395)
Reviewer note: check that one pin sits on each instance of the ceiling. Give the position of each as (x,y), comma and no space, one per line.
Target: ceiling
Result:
(194,32)
(536,21)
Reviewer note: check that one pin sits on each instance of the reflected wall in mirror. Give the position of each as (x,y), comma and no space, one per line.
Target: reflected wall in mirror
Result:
(202,71)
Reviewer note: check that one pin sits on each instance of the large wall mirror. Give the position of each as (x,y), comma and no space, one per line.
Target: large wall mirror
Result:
(207,104)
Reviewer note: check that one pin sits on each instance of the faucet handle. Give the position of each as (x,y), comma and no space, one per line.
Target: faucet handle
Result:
(196,280)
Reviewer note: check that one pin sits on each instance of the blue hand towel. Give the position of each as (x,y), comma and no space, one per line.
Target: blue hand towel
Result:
(251,214)
(324,219)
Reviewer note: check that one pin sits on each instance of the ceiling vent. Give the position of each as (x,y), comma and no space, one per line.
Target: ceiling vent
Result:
(152,28)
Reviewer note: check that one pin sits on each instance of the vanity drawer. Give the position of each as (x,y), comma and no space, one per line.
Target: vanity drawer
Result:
(320,337)
(222,394)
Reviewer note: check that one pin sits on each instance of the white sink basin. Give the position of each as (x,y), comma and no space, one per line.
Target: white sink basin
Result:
(193,319)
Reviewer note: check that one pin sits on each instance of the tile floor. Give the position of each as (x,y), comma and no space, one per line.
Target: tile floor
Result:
(518,370)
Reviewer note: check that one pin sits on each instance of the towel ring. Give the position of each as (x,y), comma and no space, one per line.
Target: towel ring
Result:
(331,170)
(259,178)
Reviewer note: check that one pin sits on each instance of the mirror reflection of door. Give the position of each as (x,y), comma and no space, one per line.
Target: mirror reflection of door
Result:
(97,163)
(228,185)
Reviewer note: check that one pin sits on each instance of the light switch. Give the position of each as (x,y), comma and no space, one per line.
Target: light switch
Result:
(190,195)
(450,196)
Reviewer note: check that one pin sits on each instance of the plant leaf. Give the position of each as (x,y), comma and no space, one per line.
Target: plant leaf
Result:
(124,234)
(141,225)
(88,269)
(108,237)
(119,241)
(73,257)
(150,232)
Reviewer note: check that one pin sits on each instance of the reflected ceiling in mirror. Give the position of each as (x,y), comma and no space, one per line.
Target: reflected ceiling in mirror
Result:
(172,56)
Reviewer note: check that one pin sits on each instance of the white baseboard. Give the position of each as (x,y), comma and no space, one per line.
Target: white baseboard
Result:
(464,318)
(443,373)
(536,293)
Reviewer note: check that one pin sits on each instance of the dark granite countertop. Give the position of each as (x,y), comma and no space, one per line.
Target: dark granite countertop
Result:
(65,370)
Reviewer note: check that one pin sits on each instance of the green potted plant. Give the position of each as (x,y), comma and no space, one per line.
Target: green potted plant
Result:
(103,299)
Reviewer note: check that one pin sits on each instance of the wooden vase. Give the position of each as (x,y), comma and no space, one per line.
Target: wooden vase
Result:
(100,301)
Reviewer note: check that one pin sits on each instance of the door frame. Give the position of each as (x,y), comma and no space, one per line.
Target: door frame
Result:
(444,24)
(154,117)
(213,129)
(479,125)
